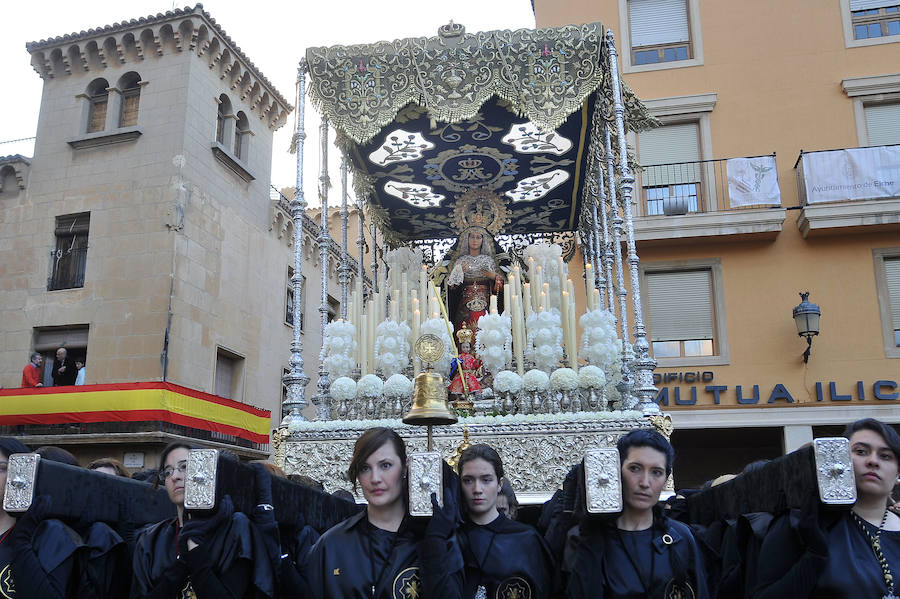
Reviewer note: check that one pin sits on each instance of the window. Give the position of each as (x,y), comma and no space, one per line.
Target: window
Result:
(130,86)
(241,136)
(685,312)
(289,299)
(224,119)
(48,339)
(670,178)
(334,309)
(882,123)
(69,259)
(660,34)
(887,280)
(98,99)
(229,371)
(875,18)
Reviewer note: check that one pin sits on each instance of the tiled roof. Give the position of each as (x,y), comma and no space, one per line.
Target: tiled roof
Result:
(14,158)
(152,20)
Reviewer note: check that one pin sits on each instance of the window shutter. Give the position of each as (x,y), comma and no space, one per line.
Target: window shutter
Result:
(680,305)
(51,339)
(98,114)
(130,104)
(883,123)
(658,22)
(70,224)
(224,376)
(892,274)
(870,4)
(666,145)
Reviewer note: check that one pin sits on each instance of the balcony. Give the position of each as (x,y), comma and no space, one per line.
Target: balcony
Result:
(737,198)
(132,415)
(67,268)
(849,190)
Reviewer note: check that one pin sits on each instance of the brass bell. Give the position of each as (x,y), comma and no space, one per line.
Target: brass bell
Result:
(429,405)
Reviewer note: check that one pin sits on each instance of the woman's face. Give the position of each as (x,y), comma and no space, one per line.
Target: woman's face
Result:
(4,464)
(643,478)
(480,487)
(475,241)
(874,464)
(381,477)
(174,468)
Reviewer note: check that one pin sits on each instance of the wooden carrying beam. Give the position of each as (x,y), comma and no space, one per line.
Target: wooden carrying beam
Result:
(820,472)
(211,475)
(86,495)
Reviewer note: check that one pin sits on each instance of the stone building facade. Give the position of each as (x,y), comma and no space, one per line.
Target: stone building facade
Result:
(144,233)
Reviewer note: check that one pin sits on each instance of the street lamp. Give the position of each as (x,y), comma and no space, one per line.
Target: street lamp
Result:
(806,317)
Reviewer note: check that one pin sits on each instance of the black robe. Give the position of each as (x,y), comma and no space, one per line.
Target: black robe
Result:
(790,567)
(507,558)
(47,568)
(605,562)
(354,555)
(223,568)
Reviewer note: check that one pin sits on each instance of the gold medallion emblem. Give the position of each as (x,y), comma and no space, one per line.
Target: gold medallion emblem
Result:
(429,348)
(514,588)
(678,590)
(7,586)
(407,584)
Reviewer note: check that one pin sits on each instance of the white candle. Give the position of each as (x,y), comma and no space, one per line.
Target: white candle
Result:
(537,283)
(493,307)
(404,300)
(423,286)
(589,285)
(395,310)
(526,299)
(518,335)
(363,348)
(595,293)
(416,328)
(542,302)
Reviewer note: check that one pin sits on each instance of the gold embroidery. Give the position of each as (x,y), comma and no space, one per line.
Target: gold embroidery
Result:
(7,585)
(514,588)
(337,572)
(407,584)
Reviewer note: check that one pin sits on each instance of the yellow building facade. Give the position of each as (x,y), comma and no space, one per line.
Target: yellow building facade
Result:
(721,274)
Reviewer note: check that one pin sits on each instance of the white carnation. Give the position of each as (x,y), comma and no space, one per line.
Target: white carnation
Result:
(343,388)
(535,380)
(507,381)
(391,347)
(339,348)
(493,341)
(564,379)
(591,377)
(369,386)
(398,386)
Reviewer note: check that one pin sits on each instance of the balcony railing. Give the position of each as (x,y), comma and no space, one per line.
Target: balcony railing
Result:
(67,268)
(850,174)
(709,186)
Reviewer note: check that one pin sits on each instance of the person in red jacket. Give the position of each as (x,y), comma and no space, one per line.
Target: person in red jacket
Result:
(31,374)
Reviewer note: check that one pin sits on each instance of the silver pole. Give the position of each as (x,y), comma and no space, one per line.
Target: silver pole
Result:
(323,410)
(296,380)
(373,231)
(643,364)
(344,275)
(360,245)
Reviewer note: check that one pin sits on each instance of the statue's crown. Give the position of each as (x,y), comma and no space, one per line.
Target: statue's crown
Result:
(464,334)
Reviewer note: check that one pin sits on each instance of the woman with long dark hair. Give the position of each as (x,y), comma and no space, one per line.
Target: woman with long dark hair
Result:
(380,552)
(841,554)
(209,557)
(503,558)
(640,552)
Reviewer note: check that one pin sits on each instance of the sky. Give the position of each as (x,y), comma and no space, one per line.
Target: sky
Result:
(273,35)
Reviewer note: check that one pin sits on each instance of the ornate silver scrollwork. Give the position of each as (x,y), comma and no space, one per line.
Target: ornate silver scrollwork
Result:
(425,471)
(602,481)
(200,479)
(20,476)
(834,471)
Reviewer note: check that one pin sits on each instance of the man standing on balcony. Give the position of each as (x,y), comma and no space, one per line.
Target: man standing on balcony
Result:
(64,371)
(31,374)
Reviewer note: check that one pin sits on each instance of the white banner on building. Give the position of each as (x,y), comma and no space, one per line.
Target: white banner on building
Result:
(852,174)
(753,182)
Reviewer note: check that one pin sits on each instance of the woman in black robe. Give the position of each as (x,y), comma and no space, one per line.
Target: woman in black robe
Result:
(845,554)
(207,558)
(639,552)
(503,558)
(380,553)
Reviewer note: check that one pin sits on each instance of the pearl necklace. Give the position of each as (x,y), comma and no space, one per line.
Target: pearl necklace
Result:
(875,542)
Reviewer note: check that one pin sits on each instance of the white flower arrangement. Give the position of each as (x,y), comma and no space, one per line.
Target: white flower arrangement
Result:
(343,388)
(493,341)
(369,386)
(591,377)
(391,347)
(397,424)
(564,379)
(544,344)
(405,262)
(535,380)
(398,385)
(601,346)
(339,348)
(438,327)
(507,381)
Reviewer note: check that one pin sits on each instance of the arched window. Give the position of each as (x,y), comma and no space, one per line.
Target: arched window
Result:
(130,86)
(222,118)
(241,136)
(98,99)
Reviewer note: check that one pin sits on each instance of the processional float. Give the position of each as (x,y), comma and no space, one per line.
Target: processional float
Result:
(484,162)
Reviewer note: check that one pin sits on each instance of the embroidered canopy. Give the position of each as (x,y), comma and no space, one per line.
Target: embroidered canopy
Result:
(423,121)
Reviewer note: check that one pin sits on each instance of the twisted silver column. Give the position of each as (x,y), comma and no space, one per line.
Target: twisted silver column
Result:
(323,409)
(296,380)
(344,274)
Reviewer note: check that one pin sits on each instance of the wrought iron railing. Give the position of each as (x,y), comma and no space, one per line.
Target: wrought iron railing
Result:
(848,174)
(708,186)
(67,268)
